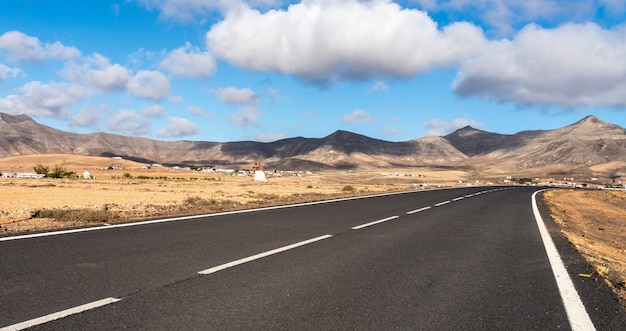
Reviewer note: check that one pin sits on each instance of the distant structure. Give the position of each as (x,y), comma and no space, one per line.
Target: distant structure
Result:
(259,174)
(86,175)
(21,175)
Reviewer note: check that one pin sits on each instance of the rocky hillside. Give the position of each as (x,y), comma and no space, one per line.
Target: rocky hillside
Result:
(585,144)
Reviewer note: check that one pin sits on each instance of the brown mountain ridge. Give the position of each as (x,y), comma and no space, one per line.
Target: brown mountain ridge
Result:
(589,147)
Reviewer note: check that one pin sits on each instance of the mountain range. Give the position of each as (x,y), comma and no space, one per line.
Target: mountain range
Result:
(589,147)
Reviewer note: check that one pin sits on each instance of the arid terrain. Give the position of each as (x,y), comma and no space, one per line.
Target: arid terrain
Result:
(120,190)
(595,223)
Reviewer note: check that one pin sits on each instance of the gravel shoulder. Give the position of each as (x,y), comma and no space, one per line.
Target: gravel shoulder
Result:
(594,221)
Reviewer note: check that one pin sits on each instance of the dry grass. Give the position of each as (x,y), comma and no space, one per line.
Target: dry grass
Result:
(595,223)
(130,192)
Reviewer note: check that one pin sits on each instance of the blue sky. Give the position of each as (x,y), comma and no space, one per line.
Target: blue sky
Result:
(263,70)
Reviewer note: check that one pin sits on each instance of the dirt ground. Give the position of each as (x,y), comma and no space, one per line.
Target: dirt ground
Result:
(128,191)
(122,190)
(594,221)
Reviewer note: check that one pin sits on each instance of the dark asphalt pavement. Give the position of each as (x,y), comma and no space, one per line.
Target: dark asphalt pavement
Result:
(472,262)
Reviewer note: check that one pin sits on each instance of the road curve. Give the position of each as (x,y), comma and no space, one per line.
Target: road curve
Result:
(469,258)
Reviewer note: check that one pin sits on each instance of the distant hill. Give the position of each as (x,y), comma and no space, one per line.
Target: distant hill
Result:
(578,147)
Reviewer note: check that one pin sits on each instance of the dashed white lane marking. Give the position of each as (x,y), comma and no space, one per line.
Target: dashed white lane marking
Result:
(183,218)
(417,210)
(442,203)
(58,315)
(261,255)
(374,223)
(469,195)
(576,313)
(459,198)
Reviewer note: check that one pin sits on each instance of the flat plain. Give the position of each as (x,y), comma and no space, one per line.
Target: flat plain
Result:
(118,190)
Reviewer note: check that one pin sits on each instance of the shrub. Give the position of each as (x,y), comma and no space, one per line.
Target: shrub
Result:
(41,169)
(127,175)
(85,215)
(70,174)
(198,201)
(348,188)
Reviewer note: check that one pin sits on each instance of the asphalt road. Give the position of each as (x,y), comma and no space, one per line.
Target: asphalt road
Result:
(470,259)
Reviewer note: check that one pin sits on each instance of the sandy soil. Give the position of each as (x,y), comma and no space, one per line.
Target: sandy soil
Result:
(128,191)
(595,223)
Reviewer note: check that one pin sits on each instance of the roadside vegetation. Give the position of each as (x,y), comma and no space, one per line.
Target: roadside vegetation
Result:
(79,216)
(58,171)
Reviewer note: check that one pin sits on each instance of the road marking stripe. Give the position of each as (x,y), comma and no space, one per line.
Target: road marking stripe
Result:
(375,222)
(261,255)
(459,198)
(469,195)
(418,210)
(442,203)
(183,218)
(576,313)
(58,315)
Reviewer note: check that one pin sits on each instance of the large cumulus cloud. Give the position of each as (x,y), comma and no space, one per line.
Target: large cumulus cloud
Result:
(572,66)
(323,40)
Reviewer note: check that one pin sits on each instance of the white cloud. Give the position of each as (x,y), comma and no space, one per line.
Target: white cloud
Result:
(189,61)
(196,110)
(149,84)
(379,86)
(130,123)
(357,116)
(22,47)
(572,66)
(325,41)
(274,94)
(89,116)
(138,58)
(441,128)
(43,100)
(175,99)
(246,116)
(152,111)
(199,112)
(96,71)
(8,72)
(234,95)
(188,10)
(178,127)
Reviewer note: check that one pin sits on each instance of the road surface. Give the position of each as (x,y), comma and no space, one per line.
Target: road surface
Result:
(471,258)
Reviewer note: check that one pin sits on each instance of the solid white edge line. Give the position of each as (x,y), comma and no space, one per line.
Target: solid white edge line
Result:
(417,210)
(358,227)
(261,255)
(576,312)
(442,203)
(182,218)
(58,315)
